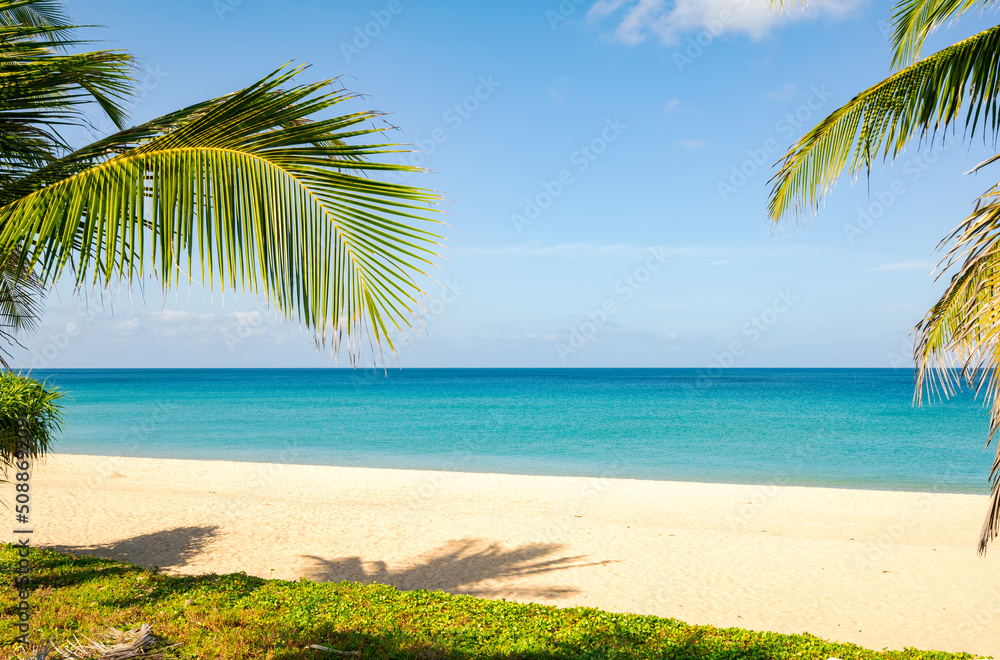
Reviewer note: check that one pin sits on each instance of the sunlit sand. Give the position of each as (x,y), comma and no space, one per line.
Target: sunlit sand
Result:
(881,569)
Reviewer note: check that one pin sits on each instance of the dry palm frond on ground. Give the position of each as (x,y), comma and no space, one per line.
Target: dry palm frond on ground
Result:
(140,643)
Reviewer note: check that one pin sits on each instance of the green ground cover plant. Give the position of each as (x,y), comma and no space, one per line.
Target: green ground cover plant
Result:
(237,616)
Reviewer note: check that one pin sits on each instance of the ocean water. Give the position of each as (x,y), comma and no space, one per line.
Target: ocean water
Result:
(852,428)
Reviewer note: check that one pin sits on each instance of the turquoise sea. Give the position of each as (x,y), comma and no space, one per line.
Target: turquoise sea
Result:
(831,427)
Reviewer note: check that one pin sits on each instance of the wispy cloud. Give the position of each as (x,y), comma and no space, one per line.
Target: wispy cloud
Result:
(719,263)
(786,92)
(557,89)
(539,249)
(178,316)
(693,145)
(127,327)
(175,323)
(904,265)
(603,8)
(635,21)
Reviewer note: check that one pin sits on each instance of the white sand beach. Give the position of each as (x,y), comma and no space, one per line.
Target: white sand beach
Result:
(881,569)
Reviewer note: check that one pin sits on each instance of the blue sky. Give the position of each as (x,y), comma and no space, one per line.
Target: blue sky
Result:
(605,166)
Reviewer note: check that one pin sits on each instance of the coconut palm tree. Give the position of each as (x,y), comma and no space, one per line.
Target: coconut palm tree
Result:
(958,341)
(262,190)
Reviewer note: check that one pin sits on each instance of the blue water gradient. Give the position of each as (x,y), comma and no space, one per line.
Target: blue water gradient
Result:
(826,427)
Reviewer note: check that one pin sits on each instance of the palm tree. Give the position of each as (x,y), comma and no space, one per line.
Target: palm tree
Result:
(249,191)
(958,341)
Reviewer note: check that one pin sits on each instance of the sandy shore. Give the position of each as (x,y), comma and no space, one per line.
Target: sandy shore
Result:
(881,569)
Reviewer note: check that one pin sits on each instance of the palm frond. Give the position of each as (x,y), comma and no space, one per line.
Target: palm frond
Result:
(914,20)
(239,193)
(21,296)
(961,81)
(988,161)
(959,338)
(33,13)
(35,77)
(44,88)
(40,97)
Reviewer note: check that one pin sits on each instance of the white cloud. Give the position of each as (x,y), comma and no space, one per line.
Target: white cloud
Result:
(672,104)
(248,324)
(179,316)
(603,8)
(126,327)
(637,20)
(172,323)
(693,145)
(254,317)
(719,263)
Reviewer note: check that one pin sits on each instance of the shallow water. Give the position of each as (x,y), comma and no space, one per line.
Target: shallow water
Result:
(830,427)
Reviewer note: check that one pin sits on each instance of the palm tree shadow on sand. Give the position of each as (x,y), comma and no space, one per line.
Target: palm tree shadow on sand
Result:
(170,548)
(459,567)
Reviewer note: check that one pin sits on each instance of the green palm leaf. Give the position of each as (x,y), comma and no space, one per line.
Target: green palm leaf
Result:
(242,193)
(247,191)
(958,82)
(914,20)
(21,294)
(957,340)
(33,13)
(43,89)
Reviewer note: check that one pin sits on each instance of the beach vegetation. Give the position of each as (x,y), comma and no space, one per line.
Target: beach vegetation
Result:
(30,416)
(238,616)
